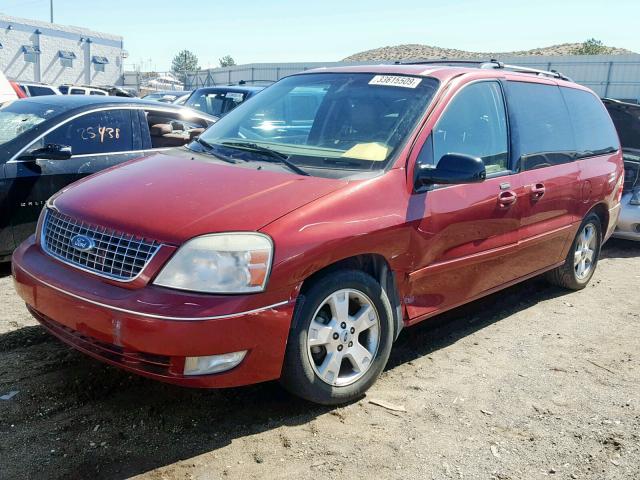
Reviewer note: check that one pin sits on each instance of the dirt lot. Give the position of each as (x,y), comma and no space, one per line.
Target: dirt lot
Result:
(533,382)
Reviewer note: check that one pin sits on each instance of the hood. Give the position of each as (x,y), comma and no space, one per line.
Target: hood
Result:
(172,198)
(626,118)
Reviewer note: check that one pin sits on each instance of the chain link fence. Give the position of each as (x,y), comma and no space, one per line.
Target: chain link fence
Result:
(614,76)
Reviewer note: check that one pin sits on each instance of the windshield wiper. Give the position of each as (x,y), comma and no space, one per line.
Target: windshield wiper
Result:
(269,153)
(209,150)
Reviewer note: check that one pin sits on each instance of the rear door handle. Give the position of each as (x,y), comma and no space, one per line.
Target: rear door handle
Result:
(507,198)
(537,191)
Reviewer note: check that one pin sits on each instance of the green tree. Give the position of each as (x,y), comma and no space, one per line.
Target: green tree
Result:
(590,47)
(227,61)
(185,61)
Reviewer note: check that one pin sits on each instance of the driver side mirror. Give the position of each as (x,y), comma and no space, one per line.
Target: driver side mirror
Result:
(51,151)
(453,168)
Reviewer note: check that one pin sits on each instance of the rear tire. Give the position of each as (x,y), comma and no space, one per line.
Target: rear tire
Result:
(340,338)
(582,258)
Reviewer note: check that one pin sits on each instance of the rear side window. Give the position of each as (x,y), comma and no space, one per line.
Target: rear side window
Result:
(543,125)
(475,124)
(592,126)
(37,91)
(95,133)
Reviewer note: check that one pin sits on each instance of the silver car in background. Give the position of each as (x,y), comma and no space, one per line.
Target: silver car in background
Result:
(626,117)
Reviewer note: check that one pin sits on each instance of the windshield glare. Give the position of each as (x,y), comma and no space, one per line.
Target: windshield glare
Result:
(338,121)
(19,116)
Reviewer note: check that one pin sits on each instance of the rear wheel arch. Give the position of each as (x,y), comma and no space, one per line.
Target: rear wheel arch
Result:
(376,266)
(602,212)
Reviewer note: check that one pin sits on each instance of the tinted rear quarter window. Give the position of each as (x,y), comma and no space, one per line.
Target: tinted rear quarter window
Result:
(544,132)
(592,126)
(37,91)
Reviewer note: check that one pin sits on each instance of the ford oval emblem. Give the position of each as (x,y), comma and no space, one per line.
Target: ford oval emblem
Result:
(82,243)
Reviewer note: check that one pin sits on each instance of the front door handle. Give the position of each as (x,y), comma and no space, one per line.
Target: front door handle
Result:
(537,191)
(507,198)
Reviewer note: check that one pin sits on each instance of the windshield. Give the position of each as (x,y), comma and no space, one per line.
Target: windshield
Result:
(20,116)
(348,122)
(215,103)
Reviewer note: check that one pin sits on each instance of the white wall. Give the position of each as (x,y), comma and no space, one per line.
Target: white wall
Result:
(16,32)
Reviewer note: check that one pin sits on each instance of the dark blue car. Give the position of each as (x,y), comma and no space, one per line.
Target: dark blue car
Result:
(219,101)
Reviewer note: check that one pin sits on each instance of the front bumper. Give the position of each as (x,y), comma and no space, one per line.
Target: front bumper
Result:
(628,226)
(151,330)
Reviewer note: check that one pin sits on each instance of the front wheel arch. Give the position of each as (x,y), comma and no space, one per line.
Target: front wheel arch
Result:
(375,265)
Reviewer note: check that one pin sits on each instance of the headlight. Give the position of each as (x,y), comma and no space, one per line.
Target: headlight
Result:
(220,263)
(635,198)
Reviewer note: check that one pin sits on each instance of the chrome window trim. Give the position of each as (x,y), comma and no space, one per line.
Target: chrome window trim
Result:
(151,315)
(43,246)
(84,155)
(181,111)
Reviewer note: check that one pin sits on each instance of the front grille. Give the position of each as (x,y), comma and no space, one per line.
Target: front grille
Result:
(115,255)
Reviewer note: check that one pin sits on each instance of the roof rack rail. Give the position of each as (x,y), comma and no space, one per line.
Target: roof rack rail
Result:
(493,63)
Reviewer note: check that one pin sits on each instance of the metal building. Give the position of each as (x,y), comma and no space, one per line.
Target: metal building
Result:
(34,51)
(613,76)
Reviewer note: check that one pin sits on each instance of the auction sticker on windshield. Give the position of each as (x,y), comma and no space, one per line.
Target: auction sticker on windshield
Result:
(395,81)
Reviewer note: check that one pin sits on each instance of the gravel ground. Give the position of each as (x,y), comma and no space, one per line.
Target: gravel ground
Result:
(533,382)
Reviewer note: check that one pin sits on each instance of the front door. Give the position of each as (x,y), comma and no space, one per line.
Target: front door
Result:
(466,235)
(98,140)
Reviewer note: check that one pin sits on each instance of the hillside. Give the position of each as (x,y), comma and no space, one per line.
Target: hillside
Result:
(417,51)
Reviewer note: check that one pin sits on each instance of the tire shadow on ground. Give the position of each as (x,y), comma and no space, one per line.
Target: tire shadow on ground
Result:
(449,327)
(5,269)
(619,248)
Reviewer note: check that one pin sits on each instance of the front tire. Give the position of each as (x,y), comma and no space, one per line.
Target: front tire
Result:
(340,338)
(582,258)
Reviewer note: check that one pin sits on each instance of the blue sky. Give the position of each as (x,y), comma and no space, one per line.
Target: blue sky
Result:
(298,30)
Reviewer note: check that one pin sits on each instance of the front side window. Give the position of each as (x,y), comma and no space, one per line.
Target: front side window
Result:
(172,129)
(76,91)
(107,131)
(335,124)
(544,126)
(475,124)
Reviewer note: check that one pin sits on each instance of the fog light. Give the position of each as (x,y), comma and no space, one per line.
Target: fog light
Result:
(212,363)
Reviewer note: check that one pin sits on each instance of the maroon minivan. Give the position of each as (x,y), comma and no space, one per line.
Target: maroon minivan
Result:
(297,236)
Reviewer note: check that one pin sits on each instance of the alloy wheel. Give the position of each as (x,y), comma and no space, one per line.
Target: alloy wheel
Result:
(343,337)
(585,251)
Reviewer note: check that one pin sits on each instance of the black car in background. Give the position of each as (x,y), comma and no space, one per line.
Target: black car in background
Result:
(219,101)
(50,141)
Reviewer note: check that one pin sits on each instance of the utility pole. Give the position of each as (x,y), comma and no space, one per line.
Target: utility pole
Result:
(51,9)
